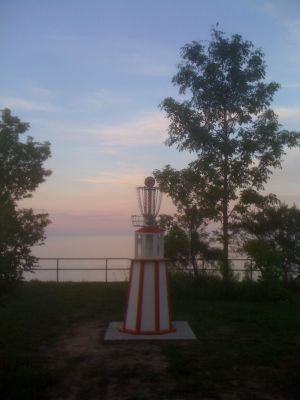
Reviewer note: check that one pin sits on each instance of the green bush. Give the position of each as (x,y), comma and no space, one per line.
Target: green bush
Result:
(214,288)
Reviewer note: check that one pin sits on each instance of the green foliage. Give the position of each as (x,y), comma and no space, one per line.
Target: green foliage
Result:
(227,123)
(185,189)
(21,163)
(271,233)
(19,230)
(267,260)
(185,250)
(177,246)
(208,287)
(21,171)
(186,240)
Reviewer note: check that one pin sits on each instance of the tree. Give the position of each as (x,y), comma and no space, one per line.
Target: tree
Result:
(227,123)
(271,236)
(186,240)
(21,171)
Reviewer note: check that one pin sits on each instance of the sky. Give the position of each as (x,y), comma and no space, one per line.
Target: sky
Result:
(89,76)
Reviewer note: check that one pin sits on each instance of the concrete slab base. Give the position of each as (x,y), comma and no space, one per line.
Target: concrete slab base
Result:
(183,332)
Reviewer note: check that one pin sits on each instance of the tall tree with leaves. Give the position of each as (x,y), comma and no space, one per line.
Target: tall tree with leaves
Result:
(186,239)
(269,231)
(226,122)
(21,171)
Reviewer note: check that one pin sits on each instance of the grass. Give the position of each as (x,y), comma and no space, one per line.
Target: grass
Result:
(248,343)
(32,316)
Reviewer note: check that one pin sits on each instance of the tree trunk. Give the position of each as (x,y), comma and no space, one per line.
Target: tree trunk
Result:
(225,261)
(192,253)
(194,263)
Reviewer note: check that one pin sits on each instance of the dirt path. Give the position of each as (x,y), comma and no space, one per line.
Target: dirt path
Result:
(84,367)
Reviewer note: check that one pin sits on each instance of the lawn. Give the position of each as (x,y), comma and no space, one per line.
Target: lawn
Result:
(51,345)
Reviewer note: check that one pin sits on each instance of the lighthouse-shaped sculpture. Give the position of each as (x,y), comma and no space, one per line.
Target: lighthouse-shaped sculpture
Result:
(148,305)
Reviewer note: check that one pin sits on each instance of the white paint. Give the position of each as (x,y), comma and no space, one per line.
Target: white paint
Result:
(148,305)
(163,296)
(130,322)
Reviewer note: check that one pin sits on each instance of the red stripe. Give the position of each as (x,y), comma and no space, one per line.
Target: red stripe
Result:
(156,296)
(169,295)
(140,298)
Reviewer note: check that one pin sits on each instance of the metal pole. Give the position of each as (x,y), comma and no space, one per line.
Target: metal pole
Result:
(106,261)
(57,269)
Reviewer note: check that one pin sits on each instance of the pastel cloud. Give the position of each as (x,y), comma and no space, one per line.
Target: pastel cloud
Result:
(288,114)
(291,86)
(151,128)
(109,178)
(103,99)
(89,224)
(147,129)
(154,65)
(293,27)
(20,103)
(119,53)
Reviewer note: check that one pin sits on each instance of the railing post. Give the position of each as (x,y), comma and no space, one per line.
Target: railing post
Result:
(57,269)
(106,262)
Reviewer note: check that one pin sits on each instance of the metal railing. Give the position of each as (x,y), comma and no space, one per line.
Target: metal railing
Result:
(203,266)
(58,268)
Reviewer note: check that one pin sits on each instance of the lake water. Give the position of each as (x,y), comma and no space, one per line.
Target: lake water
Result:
(117,249)
(84,247)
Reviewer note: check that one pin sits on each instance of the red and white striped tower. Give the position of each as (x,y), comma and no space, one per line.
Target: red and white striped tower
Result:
(148,305)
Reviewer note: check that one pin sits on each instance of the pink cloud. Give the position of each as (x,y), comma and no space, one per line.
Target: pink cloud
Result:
(89,224)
